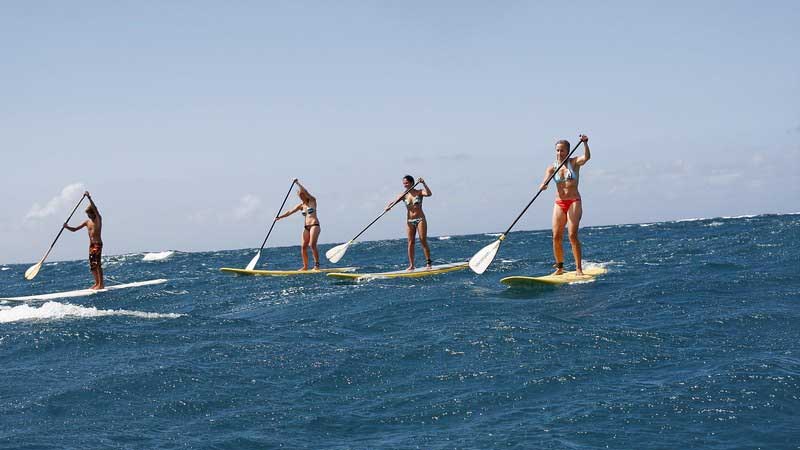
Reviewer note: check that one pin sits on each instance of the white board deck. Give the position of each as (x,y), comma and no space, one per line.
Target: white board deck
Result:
(84,292)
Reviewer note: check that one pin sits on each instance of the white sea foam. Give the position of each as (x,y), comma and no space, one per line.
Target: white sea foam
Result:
(158,256)
(56,311)
(444,238)
(746,216)
(694,219)
(493,234)
(5,268)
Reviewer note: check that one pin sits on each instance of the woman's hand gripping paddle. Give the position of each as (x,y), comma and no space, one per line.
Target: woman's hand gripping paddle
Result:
(480,261)
(254,261)
(336,253)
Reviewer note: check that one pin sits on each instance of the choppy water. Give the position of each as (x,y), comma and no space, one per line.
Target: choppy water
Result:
(690,341)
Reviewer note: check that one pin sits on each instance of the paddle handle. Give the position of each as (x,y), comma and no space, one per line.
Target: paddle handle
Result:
(386,211)
(62,227)
(541,190)
(276,215)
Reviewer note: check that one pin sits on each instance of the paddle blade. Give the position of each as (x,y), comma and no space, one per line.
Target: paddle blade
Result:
(33,270)
(252,264)
(336,253)
(480,261)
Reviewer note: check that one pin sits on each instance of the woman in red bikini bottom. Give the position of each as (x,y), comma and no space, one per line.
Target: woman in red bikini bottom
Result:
(568,209)
(311,228)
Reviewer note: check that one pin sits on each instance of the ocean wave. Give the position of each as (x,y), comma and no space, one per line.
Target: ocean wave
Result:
(55,311)
(590,264)
(746,216)
(444,238)
(114,260)
(5,268)
(493,234)
(158,256)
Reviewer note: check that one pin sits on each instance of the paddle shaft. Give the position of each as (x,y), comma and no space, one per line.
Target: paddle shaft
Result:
(542,190)
(276,216)
(62,228)
(377,218)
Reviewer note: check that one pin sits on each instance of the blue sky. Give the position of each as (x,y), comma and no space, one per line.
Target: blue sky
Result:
(187,120)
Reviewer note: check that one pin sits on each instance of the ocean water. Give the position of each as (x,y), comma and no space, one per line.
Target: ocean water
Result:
(689,341)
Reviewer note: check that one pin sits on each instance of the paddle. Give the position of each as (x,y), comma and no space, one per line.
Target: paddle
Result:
(34,269)
(254,261)
(480,261)
(336,253)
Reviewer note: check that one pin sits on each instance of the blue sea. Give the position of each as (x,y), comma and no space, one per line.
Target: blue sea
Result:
(689,341)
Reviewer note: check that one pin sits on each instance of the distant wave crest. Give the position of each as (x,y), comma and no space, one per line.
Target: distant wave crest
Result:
(158,256)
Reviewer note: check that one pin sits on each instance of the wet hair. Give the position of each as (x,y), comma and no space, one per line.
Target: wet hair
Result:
(304,197)
(90,211)
(409,178)
(564,141)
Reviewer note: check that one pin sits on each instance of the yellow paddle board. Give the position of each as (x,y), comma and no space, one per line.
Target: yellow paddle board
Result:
(284,273)
(589,274)
(416,273)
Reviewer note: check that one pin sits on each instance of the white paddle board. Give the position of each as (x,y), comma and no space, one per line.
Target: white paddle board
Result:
(84,292)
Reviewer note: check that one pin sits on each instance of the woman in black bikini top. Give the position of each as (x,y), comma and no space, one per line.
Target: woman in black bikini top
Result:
(415,219)
(311,228)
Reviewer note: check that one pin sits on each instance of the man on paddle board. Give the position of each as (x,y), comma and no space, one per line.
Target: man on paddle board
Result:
(415,218)
(311,228)
(94,226)
(567,209)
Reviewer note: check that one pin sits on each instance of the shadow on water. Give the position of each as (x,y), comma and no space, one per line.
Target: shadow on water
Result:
(345,281)
(528,292)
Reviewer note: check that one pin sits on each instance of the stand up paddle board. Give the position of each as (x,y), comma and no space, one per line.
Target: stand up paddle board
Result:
(283,273)
(416,273)
(84,292)
(589,274)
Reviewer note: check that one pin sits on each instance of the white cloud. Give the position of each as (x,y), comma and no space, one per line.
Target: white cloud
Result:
(63,201)
(246,208)
(723,178)
(200,217)
(248,205)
